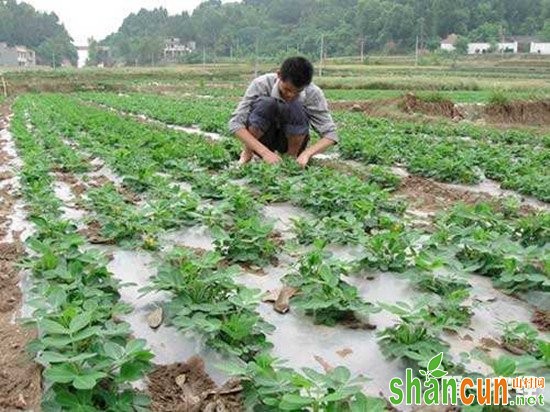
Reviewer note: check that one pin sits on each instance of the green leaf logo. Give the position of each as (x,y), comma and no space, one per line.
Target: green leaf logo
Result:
(433,371)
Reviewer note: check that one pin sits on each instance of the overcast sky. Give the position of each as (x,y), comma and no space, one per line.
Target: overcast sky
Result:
(99,18)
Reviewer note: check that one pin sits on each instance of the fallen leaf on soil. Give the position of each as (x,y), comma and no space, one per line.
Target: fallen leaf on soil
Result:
(344,352)
(326,366)
(485,298)
(154,319)
(489,343)
(282,302)
(270,296)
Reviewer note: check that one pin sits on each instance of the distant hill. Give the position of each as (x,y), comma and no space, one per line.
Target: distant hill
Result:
(21,24)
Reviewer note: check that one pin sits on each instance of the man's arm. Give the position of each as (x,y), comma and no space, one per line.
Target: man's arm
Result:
(319,147)
(237,123)
(256,146)
(322,123)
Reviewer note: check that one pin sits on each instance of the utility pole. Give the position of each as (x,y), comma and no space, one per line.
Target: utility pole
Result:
(53,59)
(362,49)
(321,55)
(416,53)
(203,57)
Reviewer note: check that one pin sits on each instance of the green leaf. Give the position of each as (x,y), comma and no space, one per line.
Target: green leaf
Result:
(135,345)
(113,350)
(232,368)
(84,382)
(335,397)
(435,362)
(292,401)
(57,296)
(341,374)
(51,327)
(85,334)
(504,366)
(131,371)
(63,373)
(362,403)
(79,322)
(438,373)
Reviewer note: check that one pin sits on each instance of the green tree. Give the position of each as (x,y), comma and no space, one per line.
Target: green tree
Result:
(461,45)
(545,32)
(21,24)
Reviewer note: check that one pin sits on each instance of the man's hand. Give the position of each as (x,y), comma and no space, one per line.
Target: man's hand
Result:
(303,159)
(271,158)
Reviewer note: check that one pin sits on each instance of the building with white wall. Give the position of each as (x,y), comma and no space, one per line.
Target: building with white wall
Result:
(174,48)
(16,56)
(508,47)
(540,48)
(448,43)
(478,48)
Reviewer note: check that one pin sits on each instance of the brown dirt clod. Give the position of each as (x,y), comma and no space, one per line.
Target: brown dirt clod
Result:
(197,392)
(541,319)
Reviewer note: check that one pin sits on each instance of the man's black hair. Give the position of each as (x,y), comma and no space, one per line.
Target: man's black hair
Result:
(297,70)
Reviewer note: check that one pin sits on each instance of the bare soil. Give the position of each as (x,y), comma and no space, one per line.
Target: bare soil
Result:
(522,112)
(531,116)
(6,206)
(541,319)
(370,107)
(20,377)
(186,387)
(92,232)
(444,108)
(429,196)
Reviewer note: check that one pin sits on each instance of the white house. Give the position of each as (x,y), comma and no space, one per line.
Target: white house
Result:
(174,48)
(16,56)
(449,42)
(539,48)
(478,48)
(502,47)
(508,47)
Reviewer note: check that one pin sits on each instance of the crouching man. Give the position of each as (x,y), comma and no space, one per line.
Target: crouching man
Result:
(276,112)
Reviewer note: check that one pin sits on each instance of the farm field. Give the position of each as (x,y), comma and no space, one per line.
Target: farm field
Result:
(145,270)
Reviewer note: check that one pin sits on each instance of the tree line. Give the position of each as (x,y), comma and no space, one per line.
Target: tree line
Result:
(275,28)
(22,25)
(278,27)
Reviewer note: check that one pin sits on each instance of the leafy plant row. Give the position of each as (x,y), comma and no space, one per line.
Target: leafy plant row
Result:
(210,114)
(446,157)
(387,244)
(461,153)
(209,302)
(89,357)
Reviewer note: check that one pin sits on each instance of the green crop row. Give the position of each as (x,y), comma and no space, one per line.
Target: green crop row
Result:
(438,154)
(360,208)
(231,326)
(210,115)
(461,153)
(89,357)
